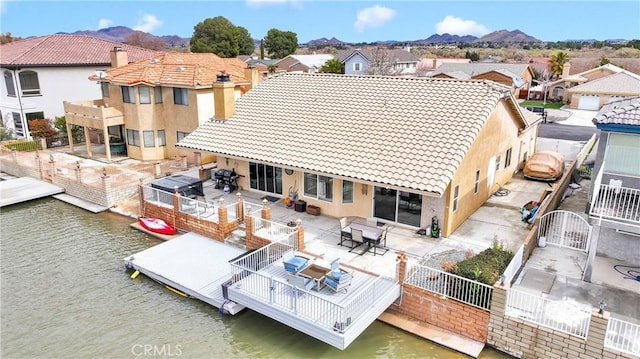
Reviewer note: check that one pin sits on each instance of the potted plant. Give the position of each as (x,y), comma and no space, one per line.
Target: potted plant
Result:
(313,210)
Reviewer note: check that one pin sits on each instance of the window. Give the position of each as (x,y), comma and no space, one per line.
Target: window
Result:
(507,158)
(622,154)
(157,94)
(181,135)
(29,83)
(320,187)
(133,137)
(145,94)
(17,123)
(456,193)
(476,185)
(162,139)
(104,88)
(180,96)
(127,95)
(347,191)
(8,80)
(357,66)
(497,163)
(149,140)
(265,178)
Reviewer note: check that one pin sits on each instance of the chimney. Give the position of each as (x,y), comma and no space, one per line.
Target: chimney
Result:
(565,69)
(251,74)
(435,63)
(118,57)
(224,97)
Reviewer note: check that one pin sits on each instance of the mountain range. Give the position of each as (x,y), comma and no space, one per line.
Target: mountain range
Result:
(119,34)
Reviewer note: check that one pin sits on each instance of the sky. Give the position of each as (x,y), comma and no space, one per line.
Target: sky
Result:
(348,21)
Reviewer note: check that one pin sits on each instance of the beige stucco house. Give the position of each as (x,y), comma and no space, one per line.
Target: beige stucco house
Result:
(518,77)
(402,150)
(150,105)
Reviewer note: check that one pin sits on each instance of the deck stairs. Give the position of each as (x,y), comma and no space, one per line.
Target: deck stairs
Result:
(237,237)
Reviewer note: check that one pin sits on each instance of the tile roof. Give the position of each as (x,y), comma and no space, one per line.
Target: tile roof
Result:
(396,55)
(405,132)
(475,68)
(65,50)
(624,112)
(197,70)
(316,61)
(622,83)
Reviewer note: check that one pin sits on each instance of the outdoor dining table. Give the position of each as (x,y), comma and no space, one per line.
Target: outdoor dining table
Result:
(371,235)
(317,273)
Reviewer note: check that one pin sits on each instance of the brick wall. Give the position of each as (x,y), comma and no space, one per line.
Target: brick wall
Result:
(446,313)
(523,339)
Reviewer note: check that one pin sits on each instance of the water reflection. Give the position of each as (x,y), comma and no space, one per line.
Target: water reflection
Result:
(65,293)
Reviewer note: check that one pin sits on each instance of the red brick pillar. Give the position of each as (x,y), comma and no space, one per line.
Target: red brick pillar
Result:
(43,143)
(266,211)
(38,164)
(52,165)
(141,198)
(300,236)
(223,219)
(198,156)
(157,171)
(240,208)
(402,267)
(183,163)
(248,233)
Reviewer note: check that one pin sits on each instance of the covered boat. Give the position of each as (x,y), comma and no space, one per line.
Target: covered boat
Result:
(157,225)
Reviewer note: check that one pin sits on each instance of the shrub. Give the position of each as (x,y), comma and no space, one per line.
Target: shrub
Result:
(486,266)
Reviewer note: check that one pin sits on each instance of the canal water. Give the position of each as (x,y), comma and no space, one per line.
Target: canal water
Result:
(64,293)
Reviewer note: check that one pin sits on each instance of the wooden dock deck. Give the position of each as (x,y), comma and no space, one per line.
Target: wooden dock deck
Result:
(24,189)
(192,264)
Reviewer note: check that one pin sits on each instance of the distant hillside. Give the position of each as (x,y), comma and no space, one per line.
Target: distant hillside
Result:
(324,42)
(447,39)
(505,36)
(119,34)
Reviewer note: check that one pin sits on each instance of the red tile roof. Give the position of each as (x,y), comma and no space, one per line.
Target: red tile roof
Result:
(66,50)
(177,68)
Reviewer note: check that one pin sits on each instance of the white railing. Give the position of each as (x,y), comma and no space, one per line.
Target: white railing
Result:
(616,202)
(251,209)
(159,197)
(450,285)
(261,258)
(623,336)
(514,266)
(271,230)
(565,229)
(232,211)
(566,316)
(199,209)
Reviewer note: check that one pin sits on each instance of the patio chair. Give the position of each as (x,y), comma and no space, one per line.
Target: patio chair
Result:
(338,280)
(356,238)
(372,222)
(301,283)
(294,263)
(343,235)
(381,244)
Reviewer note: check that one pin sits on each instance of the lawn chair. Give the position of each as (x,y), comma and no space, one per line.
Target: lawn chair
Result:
(294,263)
(299,282)
(338,280)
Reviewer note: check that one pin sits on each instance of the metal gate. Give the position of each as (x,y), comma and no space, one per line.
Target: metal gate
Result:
(565,229)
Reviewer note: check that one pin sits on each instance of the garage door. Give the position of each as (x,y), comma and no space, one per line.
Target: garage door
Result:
(589,102)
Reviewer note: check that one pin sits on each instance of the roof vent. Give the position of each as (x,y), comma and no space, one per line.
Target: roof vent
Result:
(154,61)
(223,77)
(117,48)
(181,68)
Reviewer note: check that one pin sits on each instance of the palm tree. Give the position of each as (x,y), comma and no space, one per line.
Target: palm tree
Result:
(557,62)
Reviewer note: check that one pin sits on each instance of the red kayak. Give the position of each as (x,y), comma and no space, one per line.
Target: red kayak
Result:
(157,225)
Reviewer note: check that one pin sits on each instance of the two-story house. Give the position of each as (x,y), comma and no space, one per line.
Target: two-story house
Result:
(378,61)
(614,207)
(403,150)
(153,103)
(302,63)
(40,73)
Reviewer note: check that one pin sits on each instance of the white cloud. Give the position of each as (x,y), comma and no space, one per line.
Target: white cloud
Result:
(104,23)
(457,26)
(148,23)
(261,3)
(375,16)
(2,6)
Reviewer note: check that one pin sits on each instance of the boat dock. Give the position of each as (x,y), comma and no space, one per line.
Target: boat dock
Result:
(192,265)
(22,189)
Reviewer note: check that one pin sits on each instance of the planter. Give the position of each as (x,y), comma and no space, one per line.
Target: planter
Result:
(313,210)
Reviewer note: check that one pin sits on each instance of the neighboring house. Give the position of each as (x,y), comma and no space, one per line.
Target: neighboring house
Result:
(262,65)
(40,73)
(614,207)
(573,88)
(430,64)
(378,61)
(403,150)
(154,103)
(302,63)
(517,77)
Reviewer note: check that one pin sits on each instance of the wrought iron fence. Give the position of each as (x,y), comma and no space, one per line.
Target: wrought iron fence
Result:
(566,315)
(450,286)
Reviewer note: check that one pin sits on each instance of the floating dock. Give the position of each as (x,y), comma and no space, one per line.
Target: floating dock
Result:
(192,265)
(24,189)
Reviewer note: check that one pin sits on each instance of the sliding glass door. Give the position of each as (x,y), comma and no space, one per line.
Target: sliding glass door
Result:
(397,206)
(265,178)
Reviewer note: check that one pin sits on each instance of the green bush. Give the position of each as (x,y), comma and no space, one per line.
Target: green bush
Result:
(486,266)
(22,146)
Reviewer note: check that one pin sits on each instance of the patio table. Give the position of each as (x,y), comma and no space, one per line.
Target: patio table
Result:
(317,273)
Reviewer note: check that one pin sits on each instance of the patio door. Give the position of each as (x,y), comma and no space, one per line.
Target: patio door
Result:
(397,206)
(265,178)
